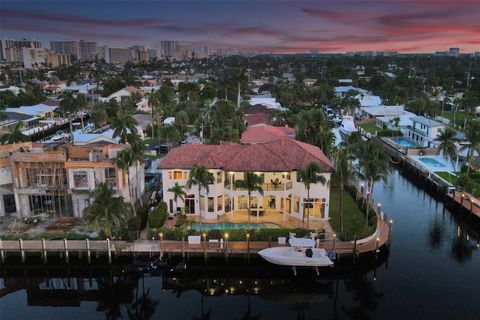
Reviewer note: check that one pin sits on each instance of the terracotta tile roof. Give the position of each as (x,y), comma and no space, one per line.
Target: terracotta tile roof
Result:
(264,133)
(257,118)
(281,155)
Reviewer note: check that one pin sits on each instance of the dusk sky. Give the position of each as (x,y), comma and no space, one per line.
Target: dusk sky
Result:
(278,26)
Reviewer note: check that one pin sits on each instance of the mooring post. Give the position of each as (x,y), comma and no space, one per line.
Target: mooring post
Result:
(205,247)
(226,246)
(390,230)
(355,249)
(2,254)
(161,245)
(109,251)
(22,253)
(183,247)
(377,242)
(89,255)
(65,246)
(44,251)
(334,240)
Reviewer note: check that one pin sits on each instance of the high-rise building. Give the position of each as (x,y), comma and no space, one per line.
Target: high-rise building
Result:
(80,50)
(55,59)
(168,48)
(34,57)
(454,51)
(118,55)
(6,43)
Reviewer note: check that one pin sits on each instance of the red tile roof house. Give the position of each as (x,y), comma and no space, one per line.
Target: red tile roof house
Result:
(277,162)
(261,133)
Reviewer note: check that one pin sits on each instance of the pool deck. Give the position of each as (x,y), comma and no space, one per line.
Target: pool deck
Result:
(448,167)
(270,216)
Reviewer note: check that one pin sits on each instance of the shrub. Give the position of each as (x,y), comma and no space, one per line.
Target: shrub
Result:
(163,206)
(389,133)
(142,213)
(157,218)
(135,224)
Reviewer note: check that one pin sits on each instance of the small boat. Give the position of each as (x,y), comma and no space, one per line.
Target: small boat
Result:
(347,127)
(301,253)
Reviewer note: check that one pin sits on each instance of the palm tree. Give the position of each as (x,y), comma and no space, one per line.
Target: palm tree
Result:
(342,175)
(447,146)
(311,174)
(251,182)
(200,176)
(137,156)
(154,102)
(124,161)
(122,124)
(69,106)
(178,193)
(472,135)
(169,133)
(106,211)
(239,77)
(14,134)
(99,114)
(373,166)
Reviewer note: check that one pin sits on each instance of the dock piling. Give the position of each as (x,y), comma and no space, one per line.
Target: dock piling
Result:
(109,250)
(89,255)
(22,253)
(44,251)
(2,253)
(65,247)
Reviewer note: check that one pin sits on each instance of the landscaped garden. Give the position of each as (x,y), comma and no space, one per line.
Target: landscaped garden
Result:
(354,221)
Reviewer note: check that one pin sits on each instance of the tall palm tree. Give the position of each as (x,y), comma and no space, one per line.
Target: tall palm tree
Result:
(122,124)
(447,145)
(251,182)
(69,106)
(200,176)
(154,102)
(373,166)
(169,133)
(178,193)
(239,78)
(472,135)
(106,211)
(311,174)
(342,175)
(137,156)
(124,161)
(14,134)
(99,114)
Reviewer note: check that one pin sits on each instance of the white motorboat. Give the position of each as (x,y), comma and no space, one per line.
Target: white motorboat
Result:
(347,127)
(301,253)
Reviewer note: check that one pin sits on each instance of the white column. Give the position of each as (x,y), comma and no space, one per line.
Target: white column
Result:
(2,206)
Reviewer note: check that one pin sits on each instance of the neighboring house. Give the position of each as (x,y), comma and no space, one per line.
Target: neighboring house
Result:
(266,100)
(383,111)
(341,91)
(261,133)
(58,180)
(124,93)
(277,162)
(257,114)
(84,88)
(368,100)
(15,90)
(144,105)
(424,131)
(31,115)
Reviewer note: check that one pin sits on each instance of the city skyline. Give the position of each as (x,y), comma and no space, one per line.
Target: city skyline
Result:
(273,26)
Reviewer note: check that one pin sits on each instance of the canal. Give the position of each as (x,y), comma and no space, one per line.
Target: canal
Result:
(432,272)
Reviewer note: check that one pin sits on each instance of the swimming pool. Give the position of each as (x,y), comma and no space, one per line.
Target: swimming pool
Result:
(404,142)
(230,225)
(432,162)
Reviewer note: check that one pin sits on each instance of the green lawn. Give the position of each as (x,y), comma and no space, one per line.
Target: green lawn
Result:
(370,127)
(353,217)
(448,176)
(459,117)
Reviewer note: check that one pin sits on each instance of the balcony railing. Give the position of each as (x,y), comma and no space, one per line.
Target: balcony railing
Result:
(267,186)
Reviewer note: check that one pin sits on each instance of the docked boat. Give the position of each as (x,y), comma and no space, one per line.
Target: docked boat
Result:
(301,253)
(347,127)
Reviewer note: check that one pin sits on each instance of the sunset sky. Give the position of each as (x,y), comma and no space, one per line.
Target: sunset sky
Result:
(278,26)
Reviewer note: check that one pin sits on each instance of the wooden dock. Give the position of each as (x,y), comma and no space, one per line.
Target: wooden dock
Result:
(467,202)
(112,248)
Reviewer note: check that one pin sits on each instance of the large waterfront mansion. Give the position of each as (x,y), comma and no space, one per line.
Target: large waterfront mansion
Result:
(276,162)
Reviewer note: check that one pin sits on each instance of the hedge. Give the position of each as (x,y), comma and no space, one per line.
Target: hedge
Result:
(266,234)
(135,224)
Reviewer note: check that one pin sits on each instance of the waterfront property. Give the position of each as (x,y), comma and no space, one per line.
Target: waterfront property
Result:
(284,195)
(424,131)
(57,179)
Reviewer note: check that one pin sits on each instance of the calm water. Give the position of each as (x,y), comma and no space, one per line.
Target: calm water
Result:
(432,272)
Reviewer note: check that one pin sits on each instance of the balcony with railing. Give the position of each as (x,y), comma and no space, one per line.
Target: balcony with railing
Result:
(265,186)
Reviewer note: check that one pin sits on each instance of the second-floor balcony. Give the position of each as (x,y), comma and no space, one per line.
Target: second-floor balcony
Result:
(271,186)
